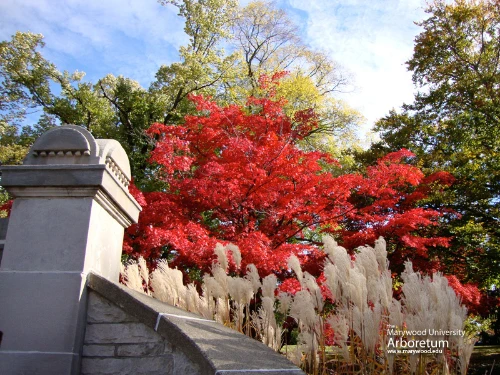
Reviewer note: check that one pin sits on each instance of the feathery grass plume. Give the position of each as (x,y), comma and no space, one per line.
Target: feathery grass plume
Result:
(396,315)
(220,252)
(390,357)
(219,274)
(294,264)
(269,284)
(222,311)
(252,275)
(464,354)
(143,269)
(206,304)
(241,292)
(264,322)
(370,327)
(340,326)
(356,288)
(221,292)
(167,284)
(332,282)
(311,285)
(297,357)
(285,301)
(339,257)
(213,288)
(432,303)
(310,326)
(236,254)
(302,309)
(385,288)
(329,245)
(272,332)
(132,278)
(413,363)
(366,262)
(360,316)
(375,291)
(381,253)
(193,299)
(356,319)
(307,342)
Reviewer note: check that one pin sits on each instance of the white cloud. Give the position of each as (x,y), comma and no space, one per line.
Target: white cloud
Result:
(372,39)
(129,37)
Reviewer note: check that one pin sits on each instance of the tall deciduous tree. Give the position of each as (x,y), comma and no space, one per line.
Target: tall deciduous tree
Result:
(269,42)
(454,125)
(204,66)
(236,174)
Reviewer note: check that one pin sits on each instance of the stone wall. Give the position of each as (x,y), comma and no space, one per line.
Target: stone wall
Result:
(117,343)
(131,333)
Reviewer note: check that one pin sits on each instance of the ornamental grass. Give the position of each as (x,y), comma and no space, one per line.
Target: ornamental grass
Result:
(350,323)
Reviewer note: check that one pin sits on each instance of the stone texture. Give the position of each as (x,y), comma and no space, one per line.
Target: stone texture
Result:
(113,154)
(197,346)
(122,346)
(4,223)
(124,333)
(123,366)
(184,366)
(141,350)
(39,312)
(101,310)
(37,363)
(47,234)
(68,144)
(104,250)
(3,233)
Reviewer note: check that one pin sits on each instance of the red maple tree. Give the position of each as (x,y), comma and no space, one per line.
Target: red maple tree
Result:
(237,174)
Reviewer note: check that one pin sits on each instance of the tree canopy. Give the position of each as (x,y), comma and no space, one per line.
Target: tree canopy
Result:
(237,174)
(453,125)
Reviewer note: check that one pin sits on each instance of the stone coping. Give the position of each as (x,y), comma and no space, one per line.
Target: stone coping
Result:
(217,350)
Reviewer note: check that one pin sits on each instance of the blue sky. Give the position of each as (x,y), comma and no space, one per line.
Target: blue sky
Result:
(370,38)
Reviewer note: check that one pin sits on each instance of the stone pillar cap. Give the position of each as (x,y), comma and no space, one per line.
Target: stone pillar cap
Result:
(68,161)
(74,145)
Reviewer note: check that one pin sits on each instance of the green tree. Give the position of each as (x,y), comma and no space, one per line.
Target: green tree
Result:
(114,107)
(204,66)
(454,125)
(268,43)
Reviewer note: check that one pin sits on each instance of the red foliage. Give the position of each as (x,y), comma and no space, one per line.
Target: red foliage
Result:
(385,204)
(236,175)
(137,194)
(290,286)
(470,295)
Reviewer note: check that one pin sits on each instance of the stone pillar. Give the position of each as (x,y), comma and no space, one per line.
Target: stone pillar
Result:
(71,208)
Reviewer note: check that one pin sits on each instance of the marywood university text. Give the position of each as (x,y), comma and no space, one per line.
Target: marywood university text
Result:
(412,342)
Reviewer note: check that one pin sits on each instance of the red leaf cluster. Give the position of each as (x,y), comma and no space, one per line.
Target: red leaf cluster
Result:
(471,296)
(236,174)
